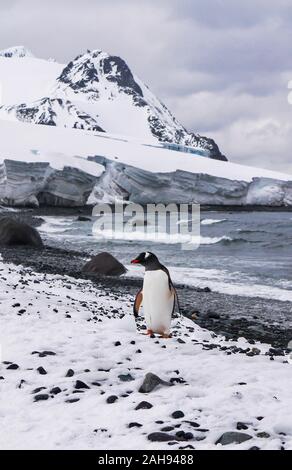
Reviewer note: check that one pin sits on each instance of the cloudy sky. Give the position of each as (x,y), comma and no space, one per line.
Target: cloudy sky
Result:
(221,66)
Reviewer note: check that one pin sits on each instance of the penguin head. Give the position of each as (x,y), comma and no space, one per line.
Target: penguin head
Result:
(145,259)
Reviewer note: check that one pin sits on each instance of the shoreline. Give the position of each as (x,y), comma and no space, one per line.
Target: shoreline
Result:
(87,210)
(230,315)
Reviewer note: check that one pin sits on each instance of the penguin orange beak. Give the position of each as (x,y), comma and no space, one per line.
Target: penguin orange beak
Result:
(135,261)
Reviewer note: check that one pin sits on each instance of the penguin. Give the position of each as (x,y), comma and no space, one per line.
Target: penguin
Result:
(157,294)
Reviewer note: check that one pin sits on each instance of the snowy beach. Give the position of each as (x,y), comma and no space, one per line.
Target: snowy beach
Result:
(73,362)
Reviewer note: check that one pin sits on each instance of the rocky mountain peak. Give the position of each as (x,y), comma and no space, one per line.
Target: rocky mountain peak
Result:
(16,52)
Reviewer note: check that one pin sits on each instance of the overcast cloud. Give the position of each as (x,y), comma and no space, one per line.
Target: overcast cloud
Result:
(221,66)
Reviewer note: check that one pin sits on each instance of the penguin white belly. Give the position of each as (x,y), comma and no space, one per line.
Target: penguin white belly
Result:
(157,301)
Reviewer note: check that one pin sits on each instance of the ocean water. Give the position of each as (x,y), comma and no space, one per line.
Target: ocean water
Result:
(245,253)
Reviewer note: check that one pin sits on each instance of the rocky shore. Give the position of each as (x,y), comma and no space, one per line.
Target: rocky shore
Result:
(230,315)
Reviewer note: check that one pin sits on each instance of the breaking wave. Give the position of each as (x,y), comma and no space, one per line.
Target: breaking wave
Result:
(212,221)
(158,237)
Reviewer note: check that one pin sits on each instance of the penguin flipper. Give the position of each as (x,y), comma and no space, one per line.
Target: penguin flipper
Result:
(175,299)
(138,302)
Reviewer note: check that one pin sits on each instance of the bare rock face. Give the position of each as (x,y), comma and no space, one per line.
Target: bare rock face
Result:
(104,263)
(13,232)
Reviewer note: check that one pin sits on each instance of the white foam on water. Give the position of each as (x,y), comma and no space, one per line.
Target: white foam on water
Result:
(212,221)
(220,281)
(56,225)
(157,237)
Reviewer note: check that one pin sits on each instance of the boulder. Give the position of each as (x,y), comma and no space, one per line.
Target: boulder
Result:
(13,232)
(104,263)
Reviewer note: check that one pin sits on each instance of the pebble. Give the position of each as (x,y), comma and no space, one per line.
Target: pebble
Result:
(135,425)
(160,437)
(79,384)
(72,400)
(144,405)
(41,370)
(233,438)
(55,390)
(126,377)
(184,436)
(69,373)
(41,397)
(13,367)
(150,382)
(177,414)
(111,399)
(263,434)
(240,426)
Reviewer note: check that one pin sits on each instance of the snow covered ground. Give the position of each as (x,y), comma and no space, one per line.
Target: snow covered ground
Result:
(52,324)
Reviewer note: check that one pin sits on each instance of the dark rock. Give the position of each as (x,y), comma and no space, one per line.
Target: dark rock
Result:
(144,405)
(14,232)
(193,424)
(177,414)
(254,448)
(259,418)
(117,343)
(104,263)
(70,373)
(263,434)
(178,380)
(41,397)
(38,389)
(72,400)
(135,425)
(41,370)
(55,390)
(167,429)
(83,218)
(111,399)
(240,426)
(79,384)
(184,436)
(49,353)
(233,438)
(160,437)
(13,367)
(150,382)
(126,377)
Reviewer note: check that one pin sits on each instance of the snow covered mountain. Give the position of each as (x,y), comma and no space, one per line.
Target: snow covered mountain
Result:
(106,136)
(97,91)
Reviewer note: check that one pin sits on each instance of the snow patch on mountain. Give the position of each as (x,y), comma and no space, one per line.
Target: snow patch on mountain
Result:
(16,51)
(106,95)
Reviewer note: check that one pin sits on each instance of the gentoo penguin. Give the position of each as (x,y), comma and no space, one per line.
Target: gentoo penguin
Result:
(157,294)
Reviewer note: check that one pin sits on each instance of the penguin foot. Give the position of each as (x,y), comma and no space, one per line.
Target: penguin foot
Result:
(149,332)
(165,336)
